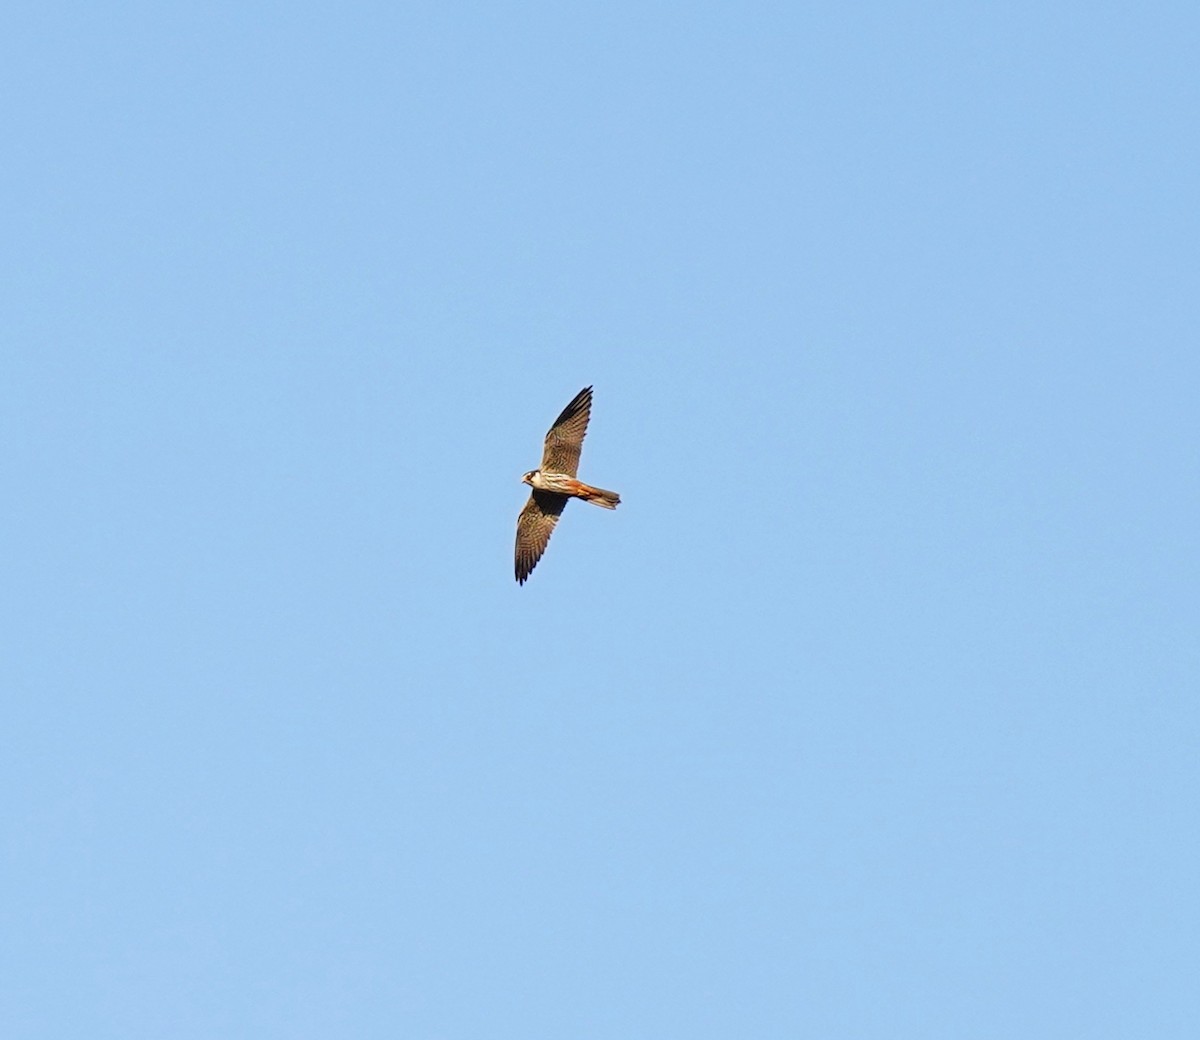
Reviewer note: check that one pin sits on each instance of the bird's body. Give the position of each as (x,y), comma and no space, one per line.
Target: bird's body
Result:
(555,482)
(562,484)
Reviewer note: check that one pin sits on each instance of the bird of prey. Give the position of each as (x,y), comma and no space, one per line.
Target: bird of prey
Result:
(555,482)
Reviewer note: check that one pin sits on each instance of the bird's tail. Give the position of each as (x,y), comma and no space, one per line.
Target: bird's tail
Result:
(598,496)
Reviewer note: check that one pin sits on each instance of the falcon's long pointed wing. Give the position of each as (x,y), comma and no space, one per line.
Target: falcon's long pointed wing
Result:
(565,439)
(534,527)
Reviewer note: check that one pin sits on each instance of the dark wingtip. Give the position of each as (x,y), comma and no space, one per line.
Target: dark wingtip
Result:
(578,403)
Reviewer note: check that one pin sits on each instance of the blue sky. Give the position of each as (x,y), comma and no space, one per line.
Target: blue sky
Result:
(870,713)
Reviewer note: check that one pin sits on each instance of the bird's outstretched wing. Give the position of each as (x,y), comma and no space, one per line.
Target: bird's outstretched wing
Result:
(565,439)
(534,527)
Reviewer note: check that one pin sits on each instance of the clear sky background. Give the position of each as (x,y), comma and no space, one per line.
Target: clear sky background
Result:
(871,713)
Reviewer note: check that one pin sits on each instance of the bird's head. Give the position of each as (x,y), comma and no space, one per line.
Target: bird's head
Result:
(528,478)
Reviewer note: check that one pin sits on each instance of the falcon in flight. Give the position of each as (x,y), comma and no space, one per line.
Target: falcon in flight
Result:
(555,482)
